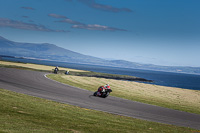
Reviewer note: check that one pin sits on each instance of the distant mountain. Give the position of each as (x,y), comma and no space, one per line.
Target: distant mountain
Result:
(44,51)
(53,52)
(177,69)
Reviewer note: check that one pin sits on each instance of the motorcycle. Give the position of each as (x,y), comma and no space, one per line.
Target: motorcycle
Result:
(55,70)
(104,93)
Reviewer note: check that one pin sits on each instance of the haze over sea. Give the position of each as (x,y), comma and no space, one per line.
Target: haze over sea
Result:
(180,80)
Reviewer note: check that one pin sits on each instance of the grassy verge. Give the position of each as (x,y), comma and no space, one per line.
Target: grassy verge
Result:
(169,97)
(22,113)
(108,76)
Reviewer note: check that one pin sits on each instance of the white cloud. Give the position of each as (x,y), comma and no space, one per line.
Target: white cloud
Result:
(69,21)
(79,25)
(97,27)
(4,22)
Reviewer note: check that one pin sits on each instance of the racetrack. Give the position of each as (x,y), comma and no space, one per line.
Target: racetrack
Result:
(36,84)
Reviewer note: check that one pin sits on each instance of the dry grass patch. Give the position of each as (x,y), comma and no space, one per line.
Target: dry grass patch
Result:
(36,66)
(171,97)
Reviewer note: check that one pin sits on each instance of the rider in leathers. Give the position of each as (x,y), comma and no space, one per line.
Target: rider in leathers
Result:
(102,89)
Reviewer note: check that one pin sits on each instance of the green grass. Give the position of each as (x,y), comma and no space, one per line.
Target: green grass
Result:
(22,113)
(108,76)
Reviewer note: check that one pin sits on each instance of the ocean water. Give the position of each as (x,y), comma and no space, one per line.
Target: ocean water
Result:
(180,80)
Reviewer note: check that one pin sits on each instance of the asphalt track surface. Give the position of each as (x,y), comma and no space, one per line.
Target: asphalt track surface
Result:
(36,84)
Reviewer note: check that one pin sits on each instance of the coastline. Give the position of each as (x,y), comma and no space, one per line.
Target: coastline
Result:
(176,71)
(170,79)
(81,72)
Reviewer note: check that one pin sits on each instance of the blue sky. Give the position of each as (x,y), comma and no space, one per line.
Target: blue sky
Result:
(162,32)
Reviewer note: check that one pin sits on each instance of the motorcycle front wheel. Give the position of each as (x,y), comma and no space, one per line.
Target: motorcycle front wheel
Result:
(95,94)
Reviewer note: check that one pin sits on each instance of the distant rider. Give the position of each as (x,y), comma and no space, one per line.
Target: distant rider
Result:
(56,69)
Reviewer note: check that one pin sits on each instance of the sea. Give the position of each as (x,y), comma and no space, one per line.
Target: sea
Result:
(170,79)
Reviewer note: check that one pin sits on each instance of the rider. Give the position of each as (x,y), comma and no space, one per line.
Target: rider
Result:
(102,89)
(107,86)
(56,68)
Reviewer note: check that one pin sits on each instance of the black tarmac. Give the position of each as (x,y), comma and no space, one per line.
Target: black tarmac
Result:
(36,84)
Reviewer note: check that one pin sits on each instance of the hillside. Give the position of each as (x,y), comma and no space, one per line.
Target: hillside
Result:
(43,51)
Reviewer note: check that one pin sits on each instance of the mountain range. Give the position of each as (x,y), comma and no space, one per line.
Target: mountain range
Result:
(52,52)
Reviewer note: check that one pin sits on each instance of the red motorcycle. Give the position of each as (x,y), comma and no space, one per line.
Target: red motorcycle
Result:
(102,92)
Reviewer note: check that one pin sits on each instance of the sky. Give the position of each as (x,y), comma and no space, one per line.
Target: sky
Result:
(161,32)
